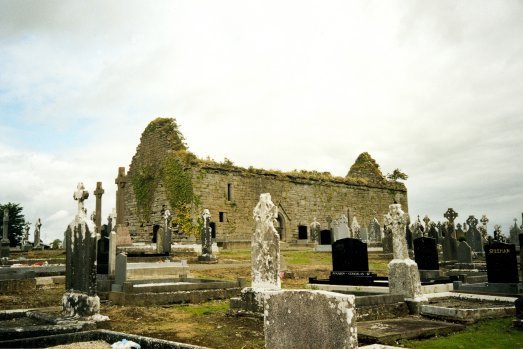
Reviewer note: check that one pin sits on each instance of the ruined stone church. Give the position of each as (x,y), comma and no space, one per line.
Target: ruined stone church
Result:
(164,175)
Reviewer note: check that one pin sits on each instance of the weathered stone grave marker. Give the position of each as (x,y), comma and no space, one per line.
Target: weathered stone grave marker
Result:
(206,237)
(80,298)
(123,236)
(98,192)
(464,253)
(36,243)
(374,230)
(403,272)
(340,228)
(315,228)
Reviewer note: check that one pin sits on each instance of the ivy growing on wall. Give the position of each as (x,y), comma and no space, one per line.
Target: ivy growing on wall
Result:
(144,183)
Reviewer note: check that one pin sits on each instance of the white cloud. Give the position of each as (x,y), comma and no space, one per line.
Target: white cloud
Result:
(433,89)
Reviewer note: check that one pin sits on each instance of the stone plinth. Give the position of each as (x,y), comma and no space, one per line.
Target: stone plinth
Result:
(123,237)
(404,278)
(309,319)
(80,304)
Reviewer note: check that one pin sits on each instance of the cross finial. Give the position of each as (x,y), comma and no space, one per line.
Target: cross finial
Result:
(450,215)
(99,190)
(80,195)
(484,219)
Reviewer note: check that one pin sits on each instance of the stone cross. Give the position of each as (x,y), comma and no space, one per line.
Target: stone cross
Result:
(426,220)
(121,182)
(521,226)
(451,215)
(265,246)
(315,228)
(206,234)
(403,271)
(98,192)
(5,227)
(484,220)
(396,220)
(472,221)
(80,195)
(38,224)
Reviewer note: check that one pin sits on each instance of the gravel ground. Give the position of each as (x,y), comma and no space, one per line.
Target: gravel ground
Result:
(85,345)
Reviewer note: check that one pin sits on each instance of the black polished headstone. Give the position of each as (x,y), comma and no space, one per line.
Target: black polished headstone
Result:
(408,236)
(102,257)
(325,237)
(302,232)
(426,253)
(350,255)
(502,265)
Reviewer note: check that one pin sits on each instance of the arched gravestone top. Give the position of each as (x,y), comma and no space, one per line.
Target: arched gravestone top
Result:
(502,266)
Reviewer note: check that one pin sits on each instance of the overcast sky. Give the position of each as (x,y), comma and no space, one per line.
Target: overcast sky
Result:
(433,88)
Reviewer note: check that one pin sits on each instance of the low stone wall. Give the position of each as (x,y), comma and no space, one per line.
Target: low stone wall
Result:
(15,286)
(147,299)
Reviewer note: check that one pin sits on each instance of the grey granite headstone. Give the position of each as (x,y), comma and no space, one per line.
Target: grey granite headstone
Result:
(451,215)
(450,248)
(355,227)
(514,233)
(464,253)
(387,240)
(120,276)
(473,235)
(374,230)
(340,228)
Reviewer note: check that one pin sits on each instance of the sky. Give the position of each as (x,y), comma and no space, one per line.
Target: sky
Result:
(432,88)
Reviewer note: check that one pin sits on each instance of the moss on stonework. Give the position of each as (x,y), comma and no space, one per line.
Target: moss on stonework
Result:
(365,167)
(169,127)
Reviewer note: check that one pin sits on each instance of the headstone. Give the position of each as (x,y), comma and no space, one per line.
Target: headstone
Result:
(416,230)
(355,228)
(473,236)
(502,266)
(80,298)
(374,230)
(514,233)
(340,228)
(451,215)
(464,253)
(483,229)
(315,228)
(167,231)
(364,235)
(4,244)
(265,246)
(403,272)
(207,255)
(112,251)
(387,240)
(450,248)
(409,237)
(123,236)
(38,225)
(309,319)
(25,245)
(426,253)
(102,252)
(498,235)
(350,263)
(433,231)
(460,234)
(325,237)
(98,192)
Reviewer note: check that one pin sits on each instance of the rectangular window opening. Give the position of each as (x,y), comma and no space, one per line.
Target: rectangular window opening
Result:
(222,217)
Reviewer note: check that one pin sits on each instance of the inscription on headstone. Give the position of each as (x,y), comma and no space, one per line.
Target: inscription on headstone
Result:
(502,266)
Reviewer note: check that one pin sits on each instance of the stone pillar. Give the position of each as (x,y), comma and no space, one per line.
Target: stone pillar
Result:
(206,238)
(403,272)
(80,298)
(167,233)
(4,244)
(265,246)
(98,192)
(112,252)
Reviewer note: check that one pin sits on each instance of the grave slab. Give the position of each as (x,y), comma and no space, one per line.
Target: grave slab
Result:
(392,330)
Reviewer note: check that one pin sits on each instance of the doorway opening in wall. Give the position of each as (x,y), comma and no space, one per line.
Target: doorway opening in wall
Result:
(156,227)
(212,225)
(280,226)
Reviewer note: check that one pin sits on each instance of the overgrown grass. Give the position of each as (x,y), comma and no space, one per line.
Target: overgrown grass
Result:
(486,334)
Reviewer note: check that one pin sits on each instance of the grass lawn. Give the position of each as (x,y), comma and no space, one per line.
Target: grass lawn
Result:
(486,334)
